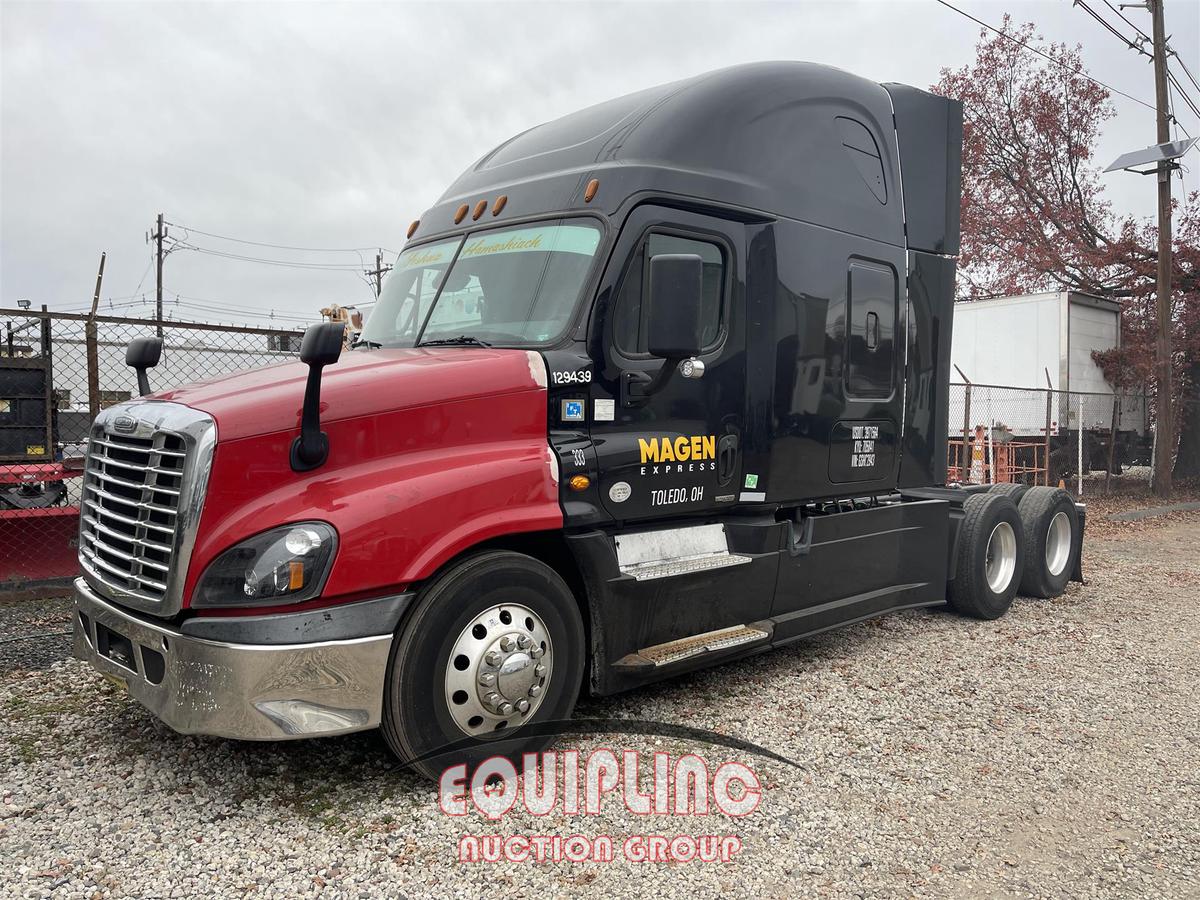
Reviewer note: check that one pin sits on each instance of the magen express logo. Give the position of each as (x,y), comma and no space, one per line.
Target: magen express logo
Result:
(700,449)
(685,455)
(581,784)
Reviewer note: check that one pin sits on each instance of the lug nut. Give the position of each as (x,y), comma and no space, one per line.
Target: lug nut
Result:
(536,652)
(523,706)
(523,641)
(535,690)
(504,708)
(492,658)
(539,671)
(492,699)
(487,679)
(507,644)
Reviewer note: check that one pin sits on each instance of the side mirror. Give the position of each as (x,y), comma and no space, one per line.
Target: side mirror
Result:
(143,353)
(675,315)
(674,324)
(322,345)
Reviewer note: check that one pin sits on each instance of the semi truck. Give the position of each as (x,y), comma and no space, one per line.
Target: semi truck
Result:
(1046,341)
(657,385)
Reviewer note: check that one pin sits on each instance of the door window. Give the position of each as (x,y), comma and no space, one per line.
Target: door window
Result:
(629,321)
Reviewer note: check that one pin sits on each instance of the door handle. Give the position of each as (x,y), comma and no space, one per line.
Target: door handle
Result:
(727,449)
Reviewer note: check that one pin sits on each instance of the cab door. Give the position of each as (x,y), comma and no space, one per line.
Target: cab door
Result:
(675,452)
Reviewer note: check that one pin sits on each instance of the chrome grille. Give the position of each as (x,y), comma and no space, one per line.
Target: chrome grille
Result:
(130,510)
(142,490)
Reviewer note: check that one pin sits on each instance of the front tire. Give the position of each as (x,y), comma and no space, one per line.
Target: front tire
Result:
(495,643)
(990,557)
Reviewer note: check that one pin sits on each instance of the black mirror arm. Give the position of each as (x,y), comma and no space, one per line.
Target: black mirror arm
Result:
(143,381)
(311,448)
(638,387)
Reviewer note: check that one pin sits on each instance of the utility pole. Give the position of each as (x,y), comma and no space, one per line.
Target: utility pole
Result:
(159,234)
(1166,419)
(378,272)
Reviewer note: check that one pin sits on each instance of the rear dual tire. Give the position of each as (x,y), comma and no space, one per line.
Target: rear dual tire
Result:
(1014,537)
(1051,525)
(991,557)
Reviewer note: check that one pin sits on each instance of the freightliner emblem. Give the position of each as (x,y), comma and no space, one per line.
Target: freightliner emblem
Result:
(124,423)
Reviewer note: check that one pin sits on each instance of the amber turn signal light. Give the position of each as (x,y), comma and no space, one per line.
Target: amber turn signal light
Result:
(412,229)
(590,191)
(580,482)
(499,204)
(461,214)
(480,208)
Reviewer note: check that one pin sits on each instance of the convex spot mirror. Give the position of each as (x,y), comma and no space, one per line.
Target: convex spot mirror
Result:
(674,326)
(143,353)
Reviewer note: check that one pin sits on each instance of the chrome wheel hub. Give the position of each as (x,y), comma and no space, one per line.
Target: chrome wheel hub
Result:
(1001,560)
(498,670)
(1058,543)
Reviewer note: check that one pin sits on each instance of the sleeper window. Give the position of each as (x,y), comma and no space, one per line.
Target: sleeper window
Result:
(870,332)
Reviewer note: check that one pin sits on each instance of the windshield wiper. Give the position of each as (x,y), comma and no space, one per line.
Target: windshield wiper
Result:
(461,339)
(371,345)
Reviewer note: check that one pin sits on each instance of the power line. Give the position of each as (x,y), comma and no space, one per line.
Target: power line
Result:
(1046,56)
(1186,70)
(239,309)
(142,280)
(1120,37)
(1136,46)
(1191,104)
(289,264)
(1141,33)
(224,237)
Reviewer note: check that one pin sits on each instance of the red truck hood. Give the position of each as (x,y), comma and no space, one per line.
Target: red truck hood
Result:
(361,383)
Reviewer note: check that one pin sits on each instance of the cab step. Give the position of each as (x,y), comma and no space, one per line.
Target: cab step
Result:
(697,645)
(675,551)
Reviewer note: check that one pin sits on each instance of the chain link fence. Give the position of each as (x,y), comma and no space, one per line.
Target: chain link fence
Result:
(1042,436)
(57,371)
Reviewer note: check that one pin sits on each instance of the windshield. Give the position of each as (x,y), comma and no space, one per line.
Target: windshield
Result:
(513,287)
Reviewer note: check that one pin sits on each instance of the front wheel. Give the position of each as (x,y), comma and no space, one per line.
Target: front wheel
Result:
(494,644)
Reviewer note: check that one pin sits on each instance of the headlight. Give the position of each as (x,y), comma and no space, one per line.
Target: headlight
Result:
(283,565)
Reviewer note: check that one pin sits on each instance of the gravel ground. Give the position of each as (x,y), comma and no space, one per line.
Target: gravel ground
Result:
(34,633)
(1051,753)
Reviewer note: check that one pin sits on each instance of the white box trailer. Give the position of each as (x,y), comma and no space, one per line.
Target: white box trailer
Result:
(1009,347)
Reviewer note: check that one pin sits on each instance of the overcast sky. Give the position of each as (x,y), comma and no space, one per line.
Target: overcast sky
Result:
(333,125)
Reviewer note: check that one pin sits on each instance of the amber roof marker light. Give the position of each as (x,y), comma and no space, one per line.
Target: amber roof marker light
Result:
(480,209)
(412,229)
(499,204)
(590,190)
(461,214)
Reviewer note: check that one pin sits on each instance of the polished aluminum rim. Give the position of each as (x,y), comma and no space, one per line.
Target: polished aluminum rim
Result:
(1058,543)
(1001,557)
(498,670)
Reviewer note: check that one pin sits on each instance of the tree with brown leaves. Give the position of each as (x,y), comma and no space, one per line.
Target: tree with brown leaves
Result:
(1035,217)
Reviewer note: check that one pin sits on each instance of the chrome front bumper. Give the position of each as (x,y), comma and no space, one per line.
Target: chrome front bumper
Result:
(252,692)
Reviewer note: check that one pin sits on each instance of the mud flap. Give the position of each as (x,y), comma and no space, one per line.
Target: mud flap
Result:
(1077,573)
